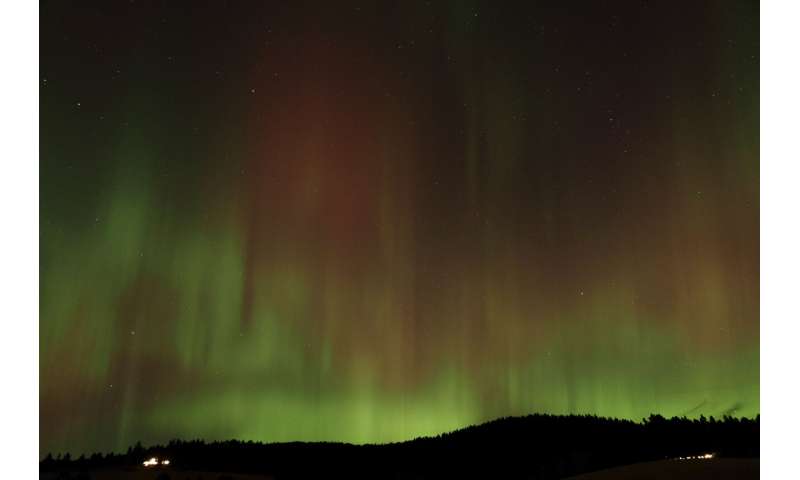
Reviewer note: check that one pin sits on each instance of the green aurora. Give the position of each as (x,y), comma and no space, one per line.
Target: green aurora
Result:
(372,224)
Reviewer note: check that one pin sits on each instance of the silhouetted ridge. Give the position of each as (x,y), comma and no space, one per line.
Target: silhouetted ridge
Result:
(534,446)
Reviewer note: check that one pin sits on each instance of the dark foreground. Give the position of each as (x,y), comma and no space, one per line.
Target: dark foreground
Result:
(536,447)
(722,468)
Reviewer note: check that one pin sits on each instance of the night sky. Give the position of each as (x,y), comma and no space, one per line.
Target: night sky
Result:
(368,222)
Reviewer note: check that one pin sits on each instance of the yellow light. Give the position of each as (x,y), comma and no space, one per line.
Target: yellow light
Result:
(165,462)
(151,462)
(705,456)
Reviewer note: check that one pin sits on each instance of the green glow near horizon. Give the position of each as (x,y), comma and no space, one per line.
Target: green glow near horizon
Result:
(404,245)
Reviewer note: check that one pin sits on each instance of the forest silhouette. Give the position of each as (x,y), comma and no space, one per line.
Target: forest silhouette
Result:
(534,446)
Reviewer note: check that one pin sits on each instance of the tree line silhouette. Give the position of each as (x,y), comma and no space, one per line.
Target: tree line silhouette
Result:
(534,446)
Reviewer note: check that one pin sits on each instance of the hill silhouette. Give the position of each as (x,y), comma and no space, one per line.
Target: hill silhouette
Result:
(534,446)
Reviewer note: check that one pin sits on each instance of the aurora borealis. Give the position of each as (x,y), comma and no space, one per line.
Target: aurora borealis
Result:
(371,221)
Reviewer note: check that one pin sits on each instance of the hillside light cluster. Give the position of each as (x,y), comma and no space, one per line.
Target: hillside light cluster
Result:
(152,462)
(705,456)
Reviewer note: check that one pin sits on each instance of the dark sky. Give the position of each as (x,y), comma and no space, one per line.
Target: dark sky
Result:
(371,221)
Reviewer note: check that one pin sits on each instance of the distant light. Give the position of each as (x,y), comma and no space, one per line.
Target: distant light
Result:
(704,456)
(149,463)
(165,462)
